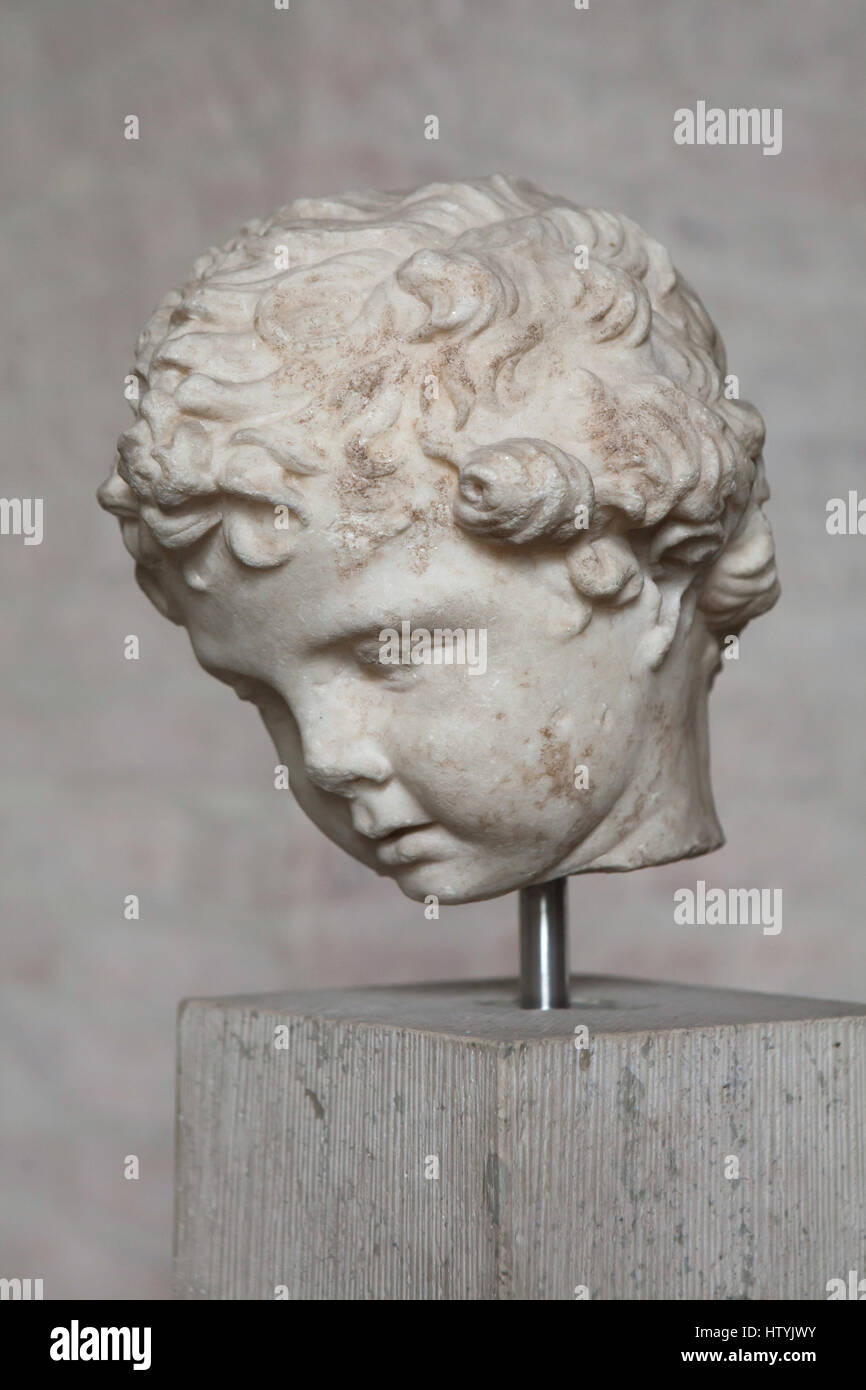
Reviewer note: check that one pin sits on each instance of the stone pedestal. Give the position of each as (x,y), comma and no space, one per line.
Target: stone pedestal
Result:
(438,1142)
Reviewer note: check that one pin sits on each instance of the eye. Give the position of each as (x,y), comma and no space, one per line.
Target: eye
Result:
(371,656)
(368,654)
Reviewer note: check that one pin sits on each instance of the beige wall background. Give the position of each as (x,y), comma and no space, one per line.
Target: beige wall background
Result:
(122,777)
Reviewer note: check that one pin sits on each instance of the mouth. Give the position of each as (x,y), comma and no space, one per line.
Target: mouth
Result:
(402,845)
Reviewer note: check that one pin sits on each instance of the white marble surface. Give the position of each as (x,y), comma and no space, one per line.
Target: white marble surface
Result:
(122,777)
(454,486)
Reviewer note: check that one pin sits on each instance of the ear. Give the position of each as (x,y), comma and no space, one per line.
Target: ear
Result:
(677,554)
(665,598)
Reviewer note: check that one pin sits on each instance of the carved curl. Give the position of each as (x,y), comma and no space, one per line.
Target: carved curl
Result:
(523,491)
(475,287)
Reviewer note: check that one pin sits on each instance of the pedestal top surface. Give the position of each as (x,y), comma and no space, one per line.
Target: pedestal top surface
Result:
(488,1009)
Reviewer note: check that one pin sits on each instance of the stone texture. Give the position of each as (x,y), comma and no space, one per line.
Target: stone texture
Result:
(304,1167)
(414,443)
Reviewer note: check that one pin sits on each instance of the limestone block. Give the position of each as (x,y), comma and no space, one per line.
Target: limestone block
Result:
(438,1142)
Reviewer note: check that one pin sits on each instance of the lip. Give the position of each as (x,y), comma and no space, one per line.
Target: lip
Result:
(392,832)
(403,845)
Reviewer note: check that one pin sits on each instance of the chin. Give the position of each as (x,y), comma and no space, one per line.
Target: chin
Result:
(420,881)
(432,879)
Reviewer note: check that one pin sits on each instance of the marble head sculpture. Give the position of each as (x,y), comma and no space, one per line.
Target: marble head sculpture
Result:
(449,485)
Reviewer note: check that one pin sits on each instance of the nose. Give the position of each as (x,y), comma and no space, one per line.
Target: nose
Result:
(336,759)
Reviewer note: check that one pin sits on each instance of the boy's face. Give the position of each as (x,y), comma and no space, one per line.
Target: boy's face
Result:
(451,781)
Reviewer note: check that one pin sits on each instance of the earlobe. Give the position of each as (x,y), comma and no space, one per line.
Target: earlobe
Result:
(669,611)
(198,566)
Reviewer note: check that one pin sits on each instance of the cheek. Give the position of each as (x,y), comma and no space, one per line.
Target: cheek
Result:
(544,763)
(458,732)
(504,765)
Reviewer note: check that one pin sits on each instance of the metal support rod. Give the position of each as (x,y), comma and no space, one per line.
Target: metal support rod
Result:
(544,946)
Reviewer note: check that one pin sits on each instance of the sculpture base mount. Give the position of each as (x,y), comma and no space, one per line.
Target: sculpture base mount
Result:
(652,1141)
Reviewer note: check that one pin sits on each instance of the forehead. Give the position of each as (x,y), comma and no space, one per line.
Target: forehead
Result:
(399,512)
(318,596)
(264,620)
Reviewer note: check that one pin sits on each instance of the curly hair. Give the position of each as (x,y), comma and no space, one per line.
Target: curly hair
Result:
(310,341)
